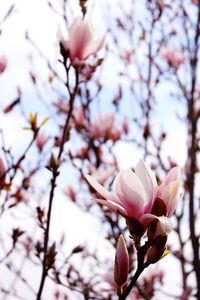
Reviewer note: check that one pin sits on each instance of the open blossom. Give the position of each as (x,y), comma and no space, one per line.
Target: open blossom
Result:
(138,195)
(81,43)
(173,57)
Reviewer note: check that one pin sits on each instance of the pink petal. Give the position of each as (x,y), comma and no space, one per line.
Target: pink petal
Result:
(149,182)
(174,174)
(80,38)
(146,219)
(94,47)
(101,190)
(172,197)
(131,192)
(164,226)
(112,206)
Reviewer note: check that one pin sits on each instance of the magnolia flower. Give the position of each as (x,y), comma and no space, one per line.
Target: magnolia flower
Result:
(81,43)
(121,262)
(173,57)
(138,196)
(41,141)
(103,127)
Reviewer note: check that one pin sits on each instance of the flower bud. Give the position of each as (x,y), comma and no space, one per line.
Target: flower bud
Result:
(121,262)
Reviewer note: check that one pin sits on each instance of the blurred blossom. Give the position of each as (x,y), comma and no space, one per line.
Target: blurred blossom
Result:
(148,283)
(138,196)
(41,141)
(103,127)
(173,57)
(71,193)
(3,64)
(121,262)
(61,106)
(79,118)
(81,43)
(102,175)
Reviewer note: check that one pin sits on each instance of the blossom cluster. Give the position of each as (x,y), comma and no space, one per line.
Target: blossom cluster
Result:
(146,207)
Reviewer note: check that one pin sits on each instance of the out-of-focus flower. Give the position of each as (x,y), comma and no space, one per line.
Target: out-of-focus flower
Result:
(173,57)
(195,1)
(102,175)
(61,106)
(121,268)
(149,284)
(138,197)
(71,193)
(3,64)
(104,127)
(81,43)
(79,118)
(41,141)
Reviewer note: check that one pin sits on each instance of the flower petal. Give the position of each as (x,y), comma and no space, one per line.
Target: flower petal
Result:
(101,190)
(173,175)
(80,38)
(164,226)
(149,182)
(115,207)
(131,192)
(170,195)
(94,47)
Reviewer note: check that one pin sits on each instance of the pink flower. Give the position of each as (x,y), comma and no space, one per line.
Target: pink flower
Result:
(41,141)
(173,57)
(102,174)
(121,262)
(168,191)
(138,196)
(103,127)
(79,118)
(81,43)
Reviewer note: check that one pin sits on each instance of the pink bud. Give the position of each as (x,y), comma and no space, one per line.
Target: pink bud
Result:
(41,141)
(121,262)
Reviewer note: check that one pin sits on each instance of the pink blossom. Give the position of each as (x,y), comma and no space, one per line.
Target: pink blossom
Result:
(81,43)
(121,262)
(3,64)
(102,174)
(71,193)
(138,195)
(79,118)
(173,57)
(41,141)
(103,127)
